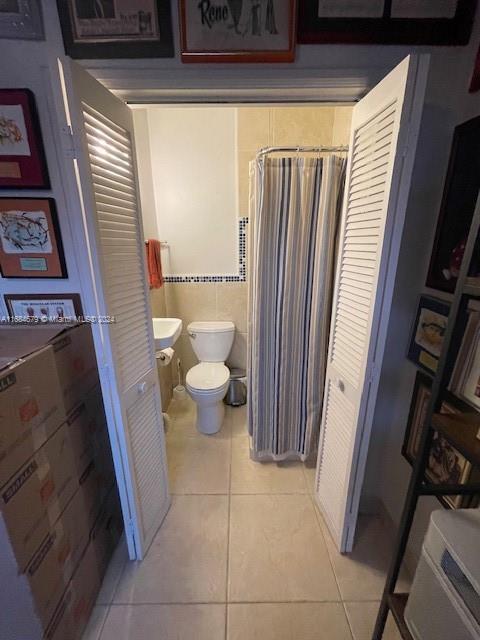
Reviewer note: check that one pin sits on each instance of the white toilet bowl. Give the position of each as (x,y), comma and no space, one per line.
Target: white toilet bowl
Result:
(207,382)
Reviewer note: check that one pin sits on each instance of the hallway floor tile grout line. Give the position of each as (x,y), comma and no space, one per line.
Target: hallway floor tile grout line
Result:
(236,563)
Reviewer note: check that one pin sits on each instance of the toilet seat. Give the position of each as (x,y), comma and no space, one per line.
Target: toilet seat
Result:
(207,377)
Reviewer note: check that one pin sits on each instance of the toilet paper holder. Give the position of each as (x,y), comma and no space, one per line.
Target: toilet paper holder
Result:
(165,356)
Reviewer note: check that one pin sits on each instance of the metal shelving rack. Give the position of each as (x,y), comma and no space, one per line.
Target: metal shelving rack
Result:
(461,432)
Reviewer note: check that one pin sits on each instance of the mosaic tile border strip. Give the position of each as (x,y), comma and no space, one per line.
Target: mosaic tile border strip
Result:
(242,262)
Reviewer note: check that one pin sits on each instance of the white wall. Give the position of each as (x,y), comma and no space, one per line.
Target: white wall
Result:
(31,65)
(145,178)
(194,171)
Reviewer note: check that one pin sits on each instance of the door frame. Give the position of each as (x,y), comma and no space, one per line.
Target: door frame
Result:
(336,90)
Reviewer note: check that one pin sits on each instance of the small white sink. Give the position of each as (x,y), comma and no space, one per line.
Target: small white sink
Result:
(166,331)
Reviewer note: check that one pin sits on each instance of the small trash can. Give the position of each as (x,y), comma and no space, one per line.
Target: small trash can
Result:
(237,391)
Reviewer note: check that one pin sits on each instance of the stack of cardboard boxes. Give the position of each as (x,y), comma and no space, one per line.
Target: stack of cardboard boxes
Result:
(60,517)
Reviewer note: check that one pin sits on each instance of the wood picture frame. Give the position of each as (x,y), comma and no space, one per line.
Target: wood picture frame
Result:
(428,333)
(127,28)
(21,20)
(384,22)
(458,204)
(239,31)
(33,308)
(30,239)
(22,155)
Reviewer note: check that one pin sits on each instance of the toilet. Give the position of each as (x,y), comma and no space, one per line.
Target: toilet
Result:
(207,382)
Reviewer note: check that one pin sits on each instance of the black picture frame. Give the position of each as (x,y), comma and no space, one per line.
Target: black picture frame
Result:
(416,420)
(74,298)
(161,48)
(428,332)
(385,30)
(25,23)
(458,204)
(420,397)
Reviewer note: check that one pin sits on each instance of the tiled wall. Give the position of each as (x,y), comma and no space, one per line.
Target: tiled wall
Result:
(257,127)
(209,301)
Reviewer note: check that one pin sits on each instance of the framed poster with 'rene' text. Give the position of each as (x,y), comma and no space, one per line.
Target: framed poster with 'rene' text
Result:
(30,240)
(22,158)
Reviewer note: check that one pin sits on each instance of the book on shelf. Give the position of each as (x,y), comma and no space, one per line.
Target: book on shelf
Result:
(465,378)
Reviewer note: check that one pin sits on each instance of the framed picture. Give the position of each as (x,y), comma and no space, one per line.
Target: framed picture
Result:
(446,465)
(46,307)
(116,28)
(22,158)
(456,210)
(417,415)
(428,333)
(432,22)
(30,240)
(238,30)
(21,20)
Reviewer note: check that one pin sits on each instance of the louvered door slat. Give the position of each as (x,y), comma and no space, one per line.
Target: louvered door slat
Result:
(364,250)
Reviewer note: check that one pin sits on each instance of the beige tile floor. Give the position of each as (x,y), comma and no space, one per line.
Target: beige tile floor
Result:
(243,554)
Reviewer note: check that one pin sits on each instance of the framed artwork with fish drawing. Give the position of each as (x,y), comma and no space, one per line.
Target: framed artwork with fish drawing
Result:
(22,158)
(30,240)
(237,30)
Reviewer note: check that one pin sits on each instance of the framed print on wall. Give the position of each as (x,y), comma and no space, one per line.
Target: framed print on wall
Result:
(116,28)
(238,30)
(30,240)
(21,20)
(417,415)
(428,333)
(46,307)
(456,210)
(22,157)
(446,465)
(433,22)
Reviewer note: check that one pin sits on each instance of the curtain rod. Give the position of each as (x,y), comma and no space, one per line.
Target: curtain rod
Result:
(322,149)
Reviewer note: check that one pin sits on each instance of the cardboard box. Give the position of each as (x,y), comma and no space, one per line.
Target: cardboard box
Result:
(36,592)
(75,608)
(31,404)
(72,612)
(87,426)
(76,363)
(73,349)
(107,529)
(34,497)
(95,483)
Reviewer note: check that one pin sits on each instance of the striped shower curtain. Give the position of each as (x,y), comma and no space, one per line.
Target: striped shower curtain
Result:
(295,211)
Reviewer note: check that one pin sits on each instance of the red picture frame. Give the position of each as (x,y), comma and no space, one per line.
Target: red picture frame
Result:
(22,156)
(286,28)
(30,239)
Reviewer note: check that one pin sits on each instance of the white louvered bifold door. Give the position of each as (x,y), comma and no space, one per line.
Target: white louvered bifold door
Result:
(382,145)
(105,164)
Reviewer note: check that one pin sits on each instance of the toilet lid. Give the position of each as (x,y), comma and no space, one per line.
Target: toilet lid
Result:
(208,375)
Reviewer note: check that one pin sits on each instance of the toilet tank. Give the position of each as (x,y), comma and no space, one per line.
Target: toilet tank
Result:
(211,341)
